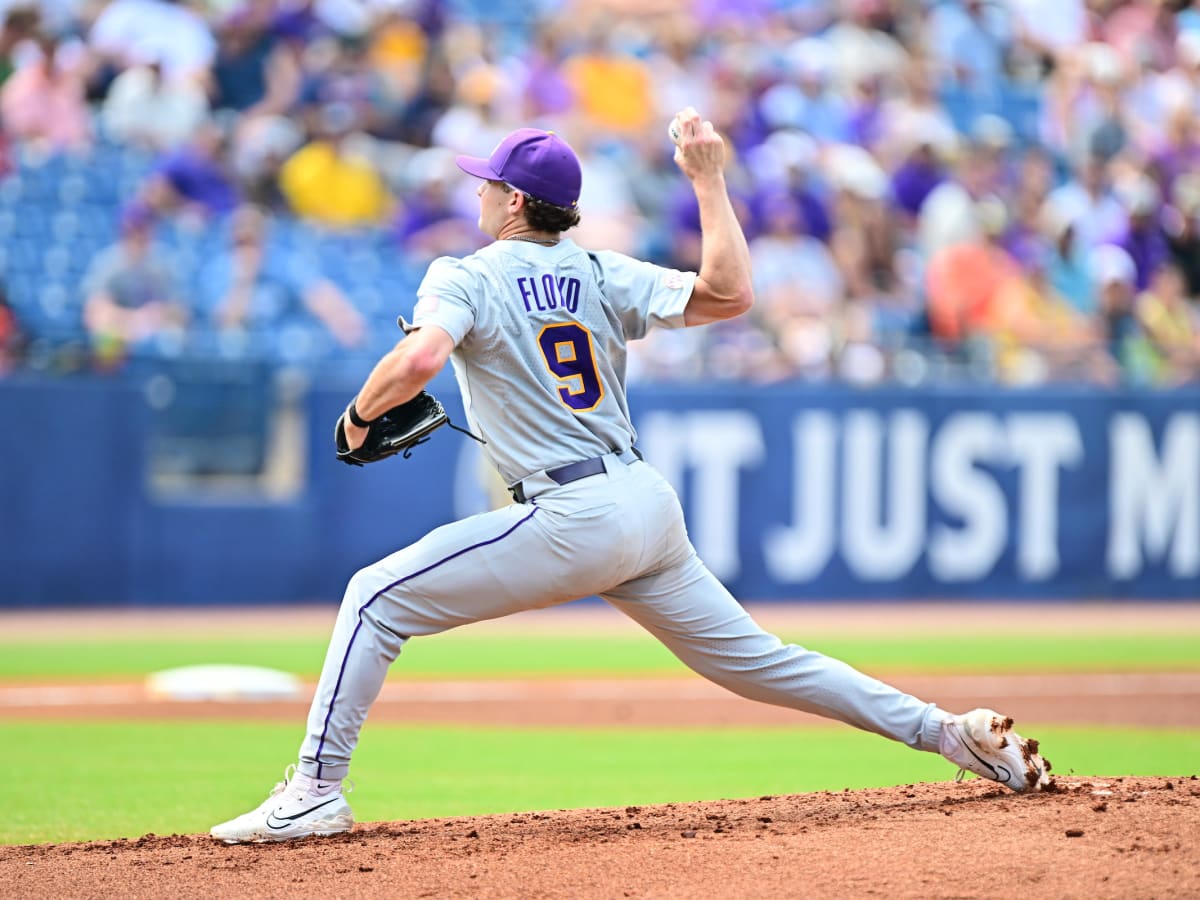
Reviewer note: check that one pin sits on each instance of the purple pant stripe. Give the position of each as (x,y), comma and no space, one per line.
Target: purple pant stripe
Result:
(350,645)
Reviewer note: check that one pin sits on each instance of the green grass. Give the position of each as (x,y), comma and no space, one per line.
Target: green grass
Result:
(78,781)
(462,654)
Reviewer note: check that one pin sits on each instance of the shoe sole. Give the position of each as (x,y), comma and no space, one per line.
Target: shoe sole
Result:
(280,840)
(328,831)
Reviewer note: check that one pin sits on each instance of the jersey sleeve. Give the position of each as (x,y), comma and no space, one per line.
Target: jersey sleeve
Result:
(644,295)
(445,298)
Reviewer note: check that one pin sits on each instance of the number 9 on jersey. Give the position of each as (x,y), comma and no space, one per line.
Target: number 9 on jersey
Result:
(567,350)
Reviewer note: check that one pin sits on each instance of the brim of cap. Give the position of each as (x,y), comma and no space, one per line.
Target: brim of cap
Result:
(480,168)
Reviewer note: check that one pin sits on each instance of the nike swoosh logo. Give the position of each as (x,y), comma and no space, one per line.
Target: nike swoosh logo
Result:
(997,770)
(285,821)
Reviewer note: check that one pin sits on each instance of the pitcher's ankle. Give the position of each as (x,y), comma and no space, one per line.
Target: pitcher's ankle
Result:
(316,787)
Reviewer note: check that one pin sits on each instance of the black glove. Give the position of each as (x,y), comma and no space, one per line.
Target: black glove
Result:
(396,431)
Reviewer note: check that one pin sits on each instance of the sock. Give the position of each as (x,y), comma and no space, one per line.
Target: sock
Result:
(316,787)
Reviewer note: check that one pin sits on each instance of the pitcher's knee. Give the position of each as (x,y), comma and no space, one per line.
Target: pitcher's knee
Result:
(362,587)
(374,598)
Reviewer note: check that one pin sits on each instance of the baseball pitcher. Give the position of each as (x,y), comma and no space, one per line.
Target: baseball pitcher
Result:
(536,329)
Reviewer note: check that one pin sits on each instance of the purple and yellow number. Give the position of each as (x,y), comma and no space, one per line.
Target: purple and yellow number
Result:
(567,349)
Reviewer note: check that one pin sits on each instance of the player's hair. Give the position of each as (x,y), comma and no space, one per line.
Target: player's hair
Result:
(543,216)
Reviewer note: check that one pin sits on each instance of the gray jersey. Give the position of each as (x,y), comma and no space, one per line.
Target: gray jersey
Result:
(540,336)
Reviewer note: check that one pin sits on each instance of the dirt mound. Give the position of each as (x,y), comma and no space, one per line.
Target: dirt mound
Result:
(1114,837)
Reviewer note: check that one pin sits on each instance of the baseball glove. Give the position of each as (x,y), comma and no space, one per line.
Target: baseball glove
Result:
(397,431)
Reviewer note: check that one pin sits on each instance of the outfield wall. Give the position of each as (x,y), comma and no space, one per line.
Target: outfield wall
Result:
(790,492)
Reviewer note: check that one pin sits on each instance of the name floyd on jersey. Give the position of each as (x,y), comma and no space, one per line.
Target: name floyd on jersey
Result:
(546,292)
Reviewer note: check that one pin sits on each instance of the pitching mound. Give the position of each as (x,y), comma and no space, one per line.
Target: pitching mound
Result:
(1117,837)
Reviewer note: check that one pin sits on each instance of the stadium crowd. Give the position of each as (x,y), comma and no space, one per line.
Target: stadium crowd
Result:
(1000,190)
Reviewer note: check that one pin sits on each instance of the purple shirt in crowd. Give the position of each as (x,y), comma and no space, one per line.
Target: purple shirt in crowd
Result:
(199,179)
(912,182)
(1147,247)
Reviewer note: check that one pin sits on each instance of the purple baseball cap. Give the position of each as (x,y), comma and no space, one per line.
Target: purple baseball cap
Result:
(535,162)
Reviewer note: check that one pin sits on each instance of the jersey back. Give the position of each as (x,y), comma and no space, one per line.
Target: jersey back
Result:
(540,344)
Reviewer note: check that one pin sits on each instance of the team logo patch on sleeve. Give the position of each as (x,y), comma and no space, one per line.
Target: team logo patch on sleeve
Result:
(673,280)
(426,306)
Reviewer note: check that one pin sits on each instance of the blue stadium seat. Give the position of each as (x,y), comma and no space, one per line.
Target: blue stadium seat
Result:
(12,189)
(1021,108)
(73,189)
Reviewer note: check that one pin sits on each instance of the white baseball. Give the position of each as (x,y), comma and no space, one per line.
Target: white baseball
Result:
(673,131)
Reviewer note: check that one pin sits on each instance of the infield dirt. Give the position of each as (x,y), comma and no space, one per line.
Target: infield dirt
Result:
(1123,837)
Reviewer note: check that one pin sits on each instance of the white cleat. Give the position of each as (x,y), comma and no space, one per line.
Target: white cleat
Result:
(982,741)
(290,812)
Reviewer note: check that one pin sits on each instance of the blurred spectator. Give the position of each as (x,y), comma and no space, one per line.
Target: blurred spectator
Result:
(803,99)
(1182,81)
(1067,268)
(42,102)
(337,75)
(1171,327)
(431,96)
(1025,238)
(1089,110)
(968,42)
(252,290)
(1045,30)
(1151,97)
(131,298)
(545,90)
(859,48)
(865,118)
(175,35)
(798,294)
(796,281)
(1141,27)
(678,67)
(1182,228)
(797,156)
(259,148)
(611,86)
(949,214)
(1086,200)
(863,242)
(964,278)
(430,223)
(145,110)
(914,118)
(329,183)
(20,24)
(1114,274)
(1143,238)
(471,120)
(192,180)
(12,336)
(398,55)
(6,161)
(611,217)
(1039,335)
(257,71)
(916,177)
(1178,152)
